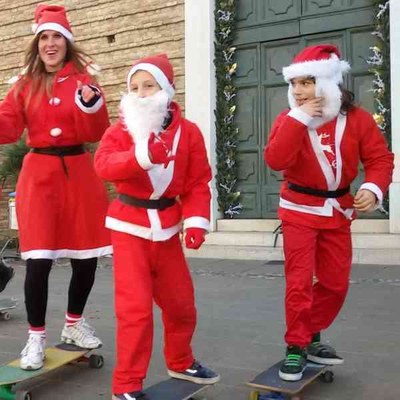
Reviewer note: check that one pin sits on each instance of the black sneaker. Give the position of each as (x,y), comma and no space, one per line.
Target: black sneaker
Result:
(320,353)
(294,365)
(6,273)
(196,373)
(131,396)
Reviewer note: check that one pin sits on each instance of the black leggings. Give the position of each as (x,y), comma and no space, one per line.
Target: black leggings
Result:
(37,283)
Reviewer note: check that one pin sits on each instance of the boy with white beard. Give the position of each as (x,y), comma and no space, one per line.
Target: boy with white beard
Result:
(157,160)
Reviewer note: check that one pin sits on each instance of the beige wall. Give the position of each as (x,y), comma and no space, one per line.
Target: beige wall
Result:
(113,32)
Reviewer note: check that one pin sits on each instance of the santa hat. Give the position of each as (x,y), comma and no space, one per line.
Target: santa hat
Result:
(323,63)
(53,18)
(160,67)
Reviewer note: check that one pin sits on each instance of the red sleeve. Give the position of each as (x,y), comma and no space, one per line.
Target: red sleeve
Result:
(90,122)
(374,153)
(112,161)
(197,196)
(12,118)
(285,141)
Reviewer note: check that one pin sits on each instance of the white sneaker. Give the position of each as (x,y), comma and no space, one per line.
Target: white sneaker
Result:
(80,334)
(32,355)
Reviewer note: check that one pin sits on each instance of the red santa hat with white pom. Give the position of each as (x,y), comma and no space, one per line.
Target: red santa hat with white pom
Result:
(160,67)
(323,63)
(53,18)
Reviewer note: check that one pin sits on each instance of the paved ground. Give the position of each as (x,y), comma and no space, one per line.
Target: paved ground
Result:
(239,332)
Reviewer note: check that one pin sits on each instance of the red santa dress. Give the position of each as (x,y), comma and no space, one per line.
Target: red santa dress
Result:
(60,202)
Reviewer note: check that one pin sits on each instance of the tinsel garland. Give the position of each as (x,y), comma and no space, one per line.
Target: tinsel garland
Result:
(379,62)
(226,131)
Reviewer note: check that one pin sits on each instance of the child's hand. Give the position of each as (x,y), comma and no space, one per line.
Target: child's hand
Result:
(194,238)
(313,107)
(364,200)
(159,151)
(86,91)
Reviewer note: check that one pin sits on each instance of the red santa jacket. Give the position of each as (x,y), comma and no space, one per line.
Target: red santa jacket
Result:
(119,160)
(62,120)
(297,149)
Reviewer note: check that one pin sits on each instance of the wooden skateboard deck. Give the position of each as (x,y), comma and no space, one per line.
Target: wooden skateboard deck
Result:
(174,389)
(56,357)
(5,306)
(269,380)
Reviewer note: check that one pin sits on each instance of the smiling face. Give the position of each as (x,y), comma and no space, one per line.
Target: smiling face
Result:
(52,50)
(144,84)
(303,89)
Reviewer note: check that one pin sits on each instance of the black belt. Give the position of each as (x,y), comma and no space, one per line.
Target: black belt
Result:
(158,204)
(319,193)
(60,152)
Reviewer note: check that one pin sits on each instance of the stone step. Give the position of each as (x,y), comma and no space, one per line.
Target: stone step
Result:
(368,248)
(360,240)
(360,256)
(269,225)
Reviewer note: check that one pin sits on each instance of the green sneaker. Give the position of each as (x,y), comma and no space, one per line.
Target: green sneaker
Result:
(294,365)
(320,353)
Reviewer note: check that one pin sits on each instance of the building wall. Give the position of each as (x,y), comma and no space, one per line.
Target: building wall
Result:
(114,33)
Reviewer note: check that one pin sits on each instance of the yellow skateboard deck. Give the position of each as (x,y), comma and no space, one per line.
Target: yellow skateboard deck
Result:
(56,357)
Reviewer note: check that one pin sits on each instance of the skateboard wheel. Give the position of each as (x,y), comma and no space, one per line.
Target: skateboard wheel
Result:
(327,377)
(23,395)
(254,395)
(6,316)
(96,361)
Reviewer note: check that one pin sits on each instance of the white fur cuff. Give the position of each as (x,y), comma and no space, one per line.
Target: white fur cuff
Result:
(142,155)
(374,189)
(197,222)
(301,116)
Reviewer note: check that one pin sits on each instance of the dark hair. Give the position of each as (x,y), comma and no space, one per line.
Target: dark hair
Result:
(347,100)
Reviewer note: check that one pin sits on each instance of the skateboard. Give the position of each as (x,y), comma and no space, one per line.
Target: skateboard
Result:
(174,389)
(56,357)
(279,389)
(5,306)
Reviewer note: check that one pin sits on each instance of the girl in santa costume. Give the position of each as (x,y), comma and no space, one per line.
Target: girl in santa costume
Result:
(157,160)
(318,145)
(60,202)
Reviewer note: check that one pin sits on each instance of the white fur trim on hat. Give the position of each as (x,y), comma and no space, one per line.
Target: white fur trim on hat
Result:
(331,69)
(158,75)
(52,26)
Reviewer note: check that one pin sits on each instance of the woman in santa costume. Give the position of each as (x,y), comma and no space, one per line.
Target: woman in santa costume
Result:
(157,160)
(318,145)
(60,202)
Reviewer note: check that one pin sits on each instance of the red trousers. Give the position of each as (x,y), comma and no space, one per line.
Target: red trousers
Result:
(143,271)
(327,254)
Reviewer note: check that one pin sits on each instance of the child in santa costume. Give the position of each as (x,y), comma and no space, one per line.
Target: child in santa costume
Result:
(60,202)
(318,145)
(157,160)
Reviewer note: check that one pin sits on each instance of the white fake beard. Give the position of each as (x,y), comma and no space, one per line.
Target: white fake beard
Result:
(332,95)
(144,115)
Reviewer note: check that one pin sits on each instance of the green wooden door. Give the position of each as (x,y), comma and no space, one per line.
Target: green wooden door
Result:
(262,92)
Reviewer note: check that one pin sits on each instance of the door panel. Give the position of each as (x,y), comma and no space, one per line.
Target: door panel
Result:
(315,7)
(247,119)
(257,12)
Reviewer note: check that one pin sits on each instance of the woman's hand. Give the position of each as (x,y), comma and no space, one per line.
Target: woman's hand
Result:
(364,200)
(87,93)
